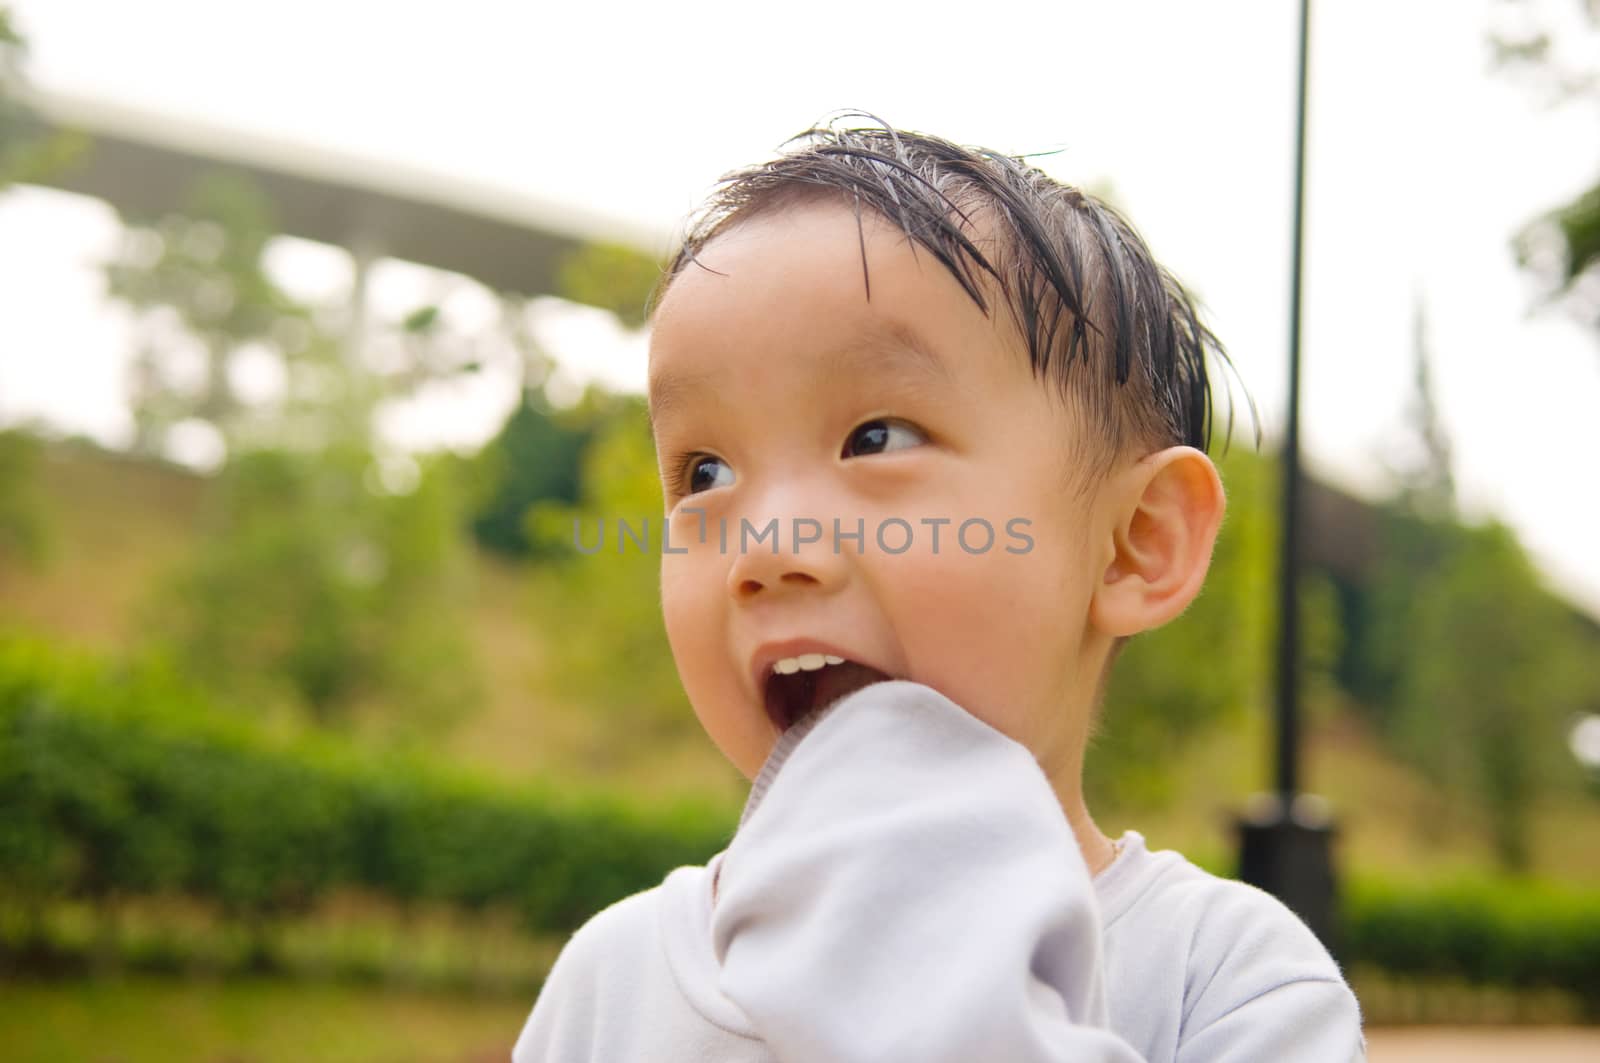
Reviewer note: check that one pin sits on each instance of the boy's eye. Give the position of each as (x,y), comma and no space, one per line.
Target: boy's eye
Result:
(703,472)
(875,437)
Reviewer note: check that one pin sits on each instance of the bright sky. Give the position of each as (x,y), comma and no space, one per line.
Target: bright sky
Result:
(1423,164)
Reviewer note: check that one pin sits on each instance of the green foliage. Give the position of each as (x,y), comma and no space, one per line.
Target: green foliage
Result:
(24,528)
(120,782)
(207,263)
(200,293)
(423,319)
(1554,52)
(26,154)
(1579,222)
(612,277)
(327,583)
(1379,612)
(1486,931)
(1561,248)
(1471,669)
(321,590)
(611,651)
(204,303)
(536,458)
(13,117)
(1495,673)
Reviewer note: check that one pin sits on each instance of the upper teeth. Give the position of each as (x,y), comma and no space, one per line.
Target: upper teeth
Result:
(808,662)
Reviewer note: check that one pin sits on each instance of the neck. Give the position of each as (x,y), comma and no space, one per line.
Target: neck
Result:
(1098,850)
(1066,779)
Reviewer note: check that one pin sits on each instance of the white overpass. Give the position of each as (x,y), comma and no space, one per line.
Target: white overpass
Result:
(145,164)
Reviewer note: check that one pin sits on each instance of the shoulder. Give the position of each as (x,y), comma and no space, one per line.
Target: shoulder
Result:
(1225,924)
(600,973)
(619,933)
(613,982)
(1243,950)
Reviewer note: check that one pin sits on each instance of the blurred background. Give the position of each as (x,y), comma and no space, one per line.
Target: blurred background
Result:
(319,323)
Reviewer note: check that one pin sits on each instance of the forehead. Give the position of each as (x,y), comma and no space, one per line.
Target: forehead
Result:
(814,287)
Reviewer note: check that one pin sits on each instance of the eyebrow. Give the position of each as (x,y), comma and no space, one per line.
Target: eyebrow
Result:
(891,346)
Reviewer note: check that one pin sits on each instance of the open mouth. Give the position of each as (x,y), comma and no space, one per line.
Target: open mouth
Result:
(815,683)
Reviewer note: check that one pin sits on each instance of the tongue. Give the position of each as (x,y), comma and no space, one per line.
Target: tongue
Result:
(791,698)
(835,681)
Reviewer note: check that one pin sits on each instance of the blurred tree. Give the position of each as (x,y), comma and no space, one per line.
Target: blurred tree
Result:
(1427,483)
(1495,671)
(612,277)
(209,313)
(1471,669)
(25,154)
(333,581)
(203,302)
(1552,45)
(537,454)
(609,650)
(1548,44)
(536,457)
(324,587)
(1417,531)
(24,529)
(298,501)
(11,112)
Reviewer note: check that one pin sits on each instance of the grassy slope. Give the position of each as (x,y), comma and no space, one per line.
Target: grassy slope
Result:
(150,1020)
(140,1020)
(116,523)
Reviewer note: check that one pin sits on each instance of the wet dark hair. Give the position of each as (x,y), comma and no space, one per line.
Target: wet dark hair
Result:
(1099,315)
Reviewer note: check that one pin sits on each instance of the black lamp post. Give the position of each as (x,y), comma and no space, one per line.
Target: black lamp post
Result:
(1285,836)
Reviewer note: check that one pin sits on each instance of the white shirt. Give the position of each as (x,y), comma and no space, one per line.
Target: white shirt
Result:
(905,886)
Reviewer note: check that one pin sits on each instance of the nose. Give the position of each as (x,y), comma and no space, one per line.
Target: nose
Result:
(806,558)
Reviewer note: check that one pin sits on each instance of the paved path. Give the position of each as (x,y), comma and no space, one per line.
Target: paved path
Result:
(1433,1044)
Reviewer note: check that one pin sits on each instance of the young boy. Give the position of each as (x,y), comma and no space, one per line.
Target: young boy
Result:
(931,430)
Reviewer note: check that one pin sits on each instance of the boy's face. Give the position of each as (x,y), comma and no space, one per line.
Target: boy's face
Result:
(795,397)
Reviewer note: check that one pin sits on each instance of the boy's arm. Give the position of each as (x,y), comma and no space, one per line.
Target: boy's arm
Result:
(905,886)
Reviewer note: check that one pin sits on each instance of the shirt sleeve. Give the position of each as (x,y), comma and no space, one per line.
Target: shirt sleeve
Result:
(1267,989)
(1310,1019)
(566,1016)
(588,1008)
(1262,986)
(905,885)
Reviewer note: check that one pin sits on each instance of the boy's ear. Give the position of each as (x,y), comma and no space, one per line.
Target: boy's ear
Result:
(1166,513)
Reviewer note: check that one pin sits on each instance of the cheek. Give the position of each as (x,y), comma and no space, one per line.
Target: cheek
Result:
(996,633)
(687,610)
(695,610)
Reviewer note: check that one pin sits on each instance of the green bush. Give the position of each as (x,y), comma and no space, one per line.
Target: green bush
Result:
(115,784)
(1492,932)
